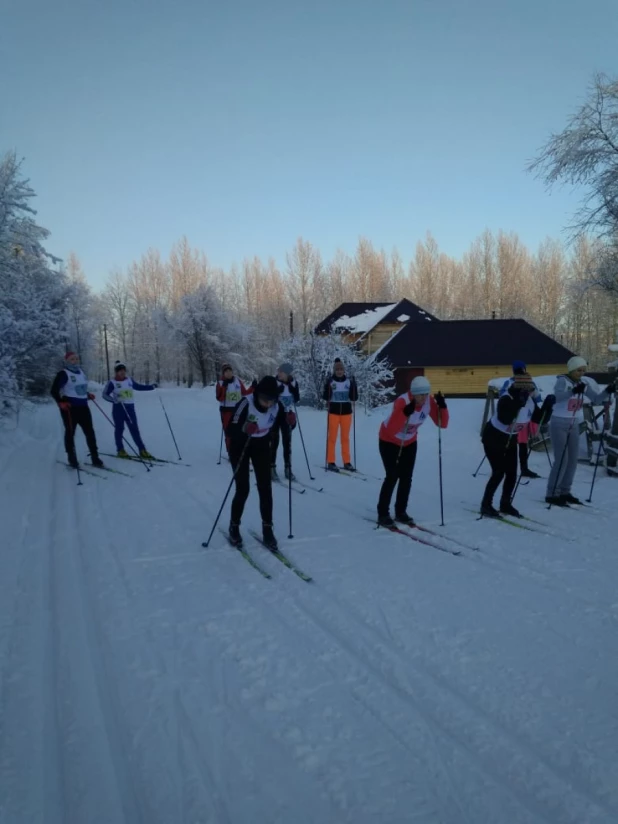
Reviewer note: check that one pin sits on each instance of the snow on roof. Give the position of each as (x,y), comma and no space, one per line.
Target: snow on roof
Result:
(365,321)
(403,318)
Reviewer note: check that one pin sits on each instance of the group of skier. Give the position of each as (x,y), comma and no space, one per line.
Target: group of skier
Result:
(255,419)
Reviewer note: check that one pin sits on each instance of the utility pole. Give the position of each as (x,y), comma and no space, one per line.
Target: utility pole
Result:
(291,324)
(106,351)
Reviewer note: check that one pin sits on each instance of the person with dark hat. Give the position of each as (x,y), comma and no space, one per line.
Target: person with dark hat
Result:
(229,391)
(119,392)
(528,429)
(70,391)
(249,432)
(340,392)
(289,395)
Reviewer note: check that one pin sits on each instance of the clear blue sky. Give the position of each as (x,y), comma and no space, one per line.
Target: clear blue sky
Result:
(244,124)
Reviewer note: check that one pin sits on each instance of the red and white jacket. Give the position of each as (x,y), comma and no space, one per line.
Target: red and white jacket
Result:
(230,394)
(402,430)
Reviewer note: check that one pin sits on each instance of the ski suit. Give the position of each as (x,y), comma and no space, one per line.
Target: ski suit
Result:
(289,395)
(340,393)
(120,394)
(529,429)
(229,393)
(70,388)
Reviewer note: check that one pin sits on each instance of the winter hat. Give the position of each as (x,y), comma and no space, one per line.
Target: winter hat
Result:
(268,387)
(225,367)
(337,360)
(519,367)
(420,386)
(287,368)
(68,354)
(576,362)
(118,366)
(524,382)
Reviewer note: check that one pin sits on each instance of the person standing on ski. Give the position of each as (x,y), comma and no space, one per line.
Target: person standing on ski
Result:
(289,395)
(570,391)
(397,442)
(340,392)
(119,392)
(514,410)
(229,392)
(70,391)
(249,432)
(527,430)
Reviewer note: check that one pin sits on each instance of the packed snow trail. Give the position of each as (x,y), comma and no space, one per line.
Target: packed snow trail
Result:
(145,679)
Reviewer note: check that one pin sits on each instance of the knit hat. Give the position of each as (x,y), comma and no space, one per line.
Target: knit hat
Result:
(524,382)
(268,388)
(118,366)
(287,368)
(420,386)
(225,367)
(68,354)
(576,362)
(337,360)
(519,367)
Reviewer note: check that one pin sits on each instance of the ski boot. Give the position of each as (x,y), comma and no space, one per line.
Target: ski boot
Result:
(96,461)
(571,499)
(528,473)
(507,508)
(268,537)
(386,521)
(556,500)
(332,467)
(488,511)
(234,535)
(72,461)
(405,519)
(273,473)
(122,453)
(289,475)
(145,454)
(349,467)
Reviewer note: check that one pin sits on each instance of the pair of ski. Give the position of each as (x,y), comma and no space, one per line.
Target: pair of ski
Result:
(298,486)
(531,525)
(277,553)
(359,476)
(95,474)
(402,529)
(149,461)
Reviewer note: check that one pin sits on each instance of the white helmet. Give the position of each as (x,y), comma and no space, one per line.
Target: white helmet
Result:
(420,386)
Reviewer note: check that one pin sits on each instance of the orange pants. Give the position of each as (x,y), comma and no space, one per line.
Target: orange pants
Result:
(334,423)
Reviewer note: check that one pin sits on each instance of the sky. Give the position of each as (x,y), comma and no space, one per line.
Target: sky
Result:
(244,125)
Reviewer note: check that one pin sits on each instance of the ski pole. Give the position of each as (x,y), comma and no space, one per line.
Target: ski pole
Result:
(327,427)
(290,487)
(171,430)
(72,431)
(302,440)
(596,466)
(354,431)
(220,445)
(474,474)
(440,465)
(564,451)
(238,465)
(130,445)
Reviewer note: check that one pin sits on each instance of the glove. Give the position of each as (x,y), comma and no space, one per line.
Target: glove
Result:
(610,389)
(549,401)
(250,428)
(91,397)
(64,406)
(409,409)
(439,399)
(291,418)
(579,389)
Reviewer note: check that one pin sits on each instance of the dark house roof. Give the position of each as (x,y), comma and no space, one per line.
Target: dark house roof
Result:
(372,315)
(472,343)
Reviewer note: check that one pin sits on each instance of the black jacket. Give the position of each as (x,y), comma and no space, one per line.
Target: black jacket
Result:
(337,407)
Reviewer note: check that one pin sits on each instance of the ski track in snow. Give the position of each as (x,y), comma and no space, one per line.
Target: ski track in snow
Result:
(146,679)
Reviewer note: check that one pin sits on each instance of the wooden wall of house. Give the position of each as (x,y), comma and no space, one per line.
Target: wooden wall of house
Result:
(378,336)
(467,380)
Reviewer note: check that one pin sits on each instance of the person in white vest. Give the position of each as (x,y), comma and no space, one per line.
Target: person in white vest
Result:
(530,429)
(249,432)
(70,391)
(229,392)
(119,392)
(289,395)
(570,390)
(398,435)
(341,393)
(514,410)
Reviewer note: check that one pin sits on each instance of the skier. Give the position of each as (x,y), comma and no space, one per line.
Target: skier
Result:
(515,409)
(229,391)
(289,395)
(70,391)
(397,442)
(249,432)
(529,429)
(119,392)
(340,392)
(570,390)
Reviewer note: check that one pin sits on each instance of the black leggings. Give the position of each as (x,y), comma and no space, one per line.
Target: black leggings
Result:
(286,437)
(258,452)
(501,451)
(399,466)
(79,416)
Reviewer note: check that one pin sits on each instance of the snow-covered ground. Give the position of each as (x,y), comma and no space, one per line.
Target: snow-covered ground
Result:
(144,679)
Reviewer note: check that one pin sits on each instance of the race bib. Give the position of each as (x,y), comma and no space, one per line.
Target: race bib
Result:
(575,404)
(233,396)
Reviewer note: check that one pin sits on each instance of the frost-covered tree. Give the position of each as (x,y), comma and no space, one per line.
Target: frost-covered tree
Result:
(313,357)
(32,292)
